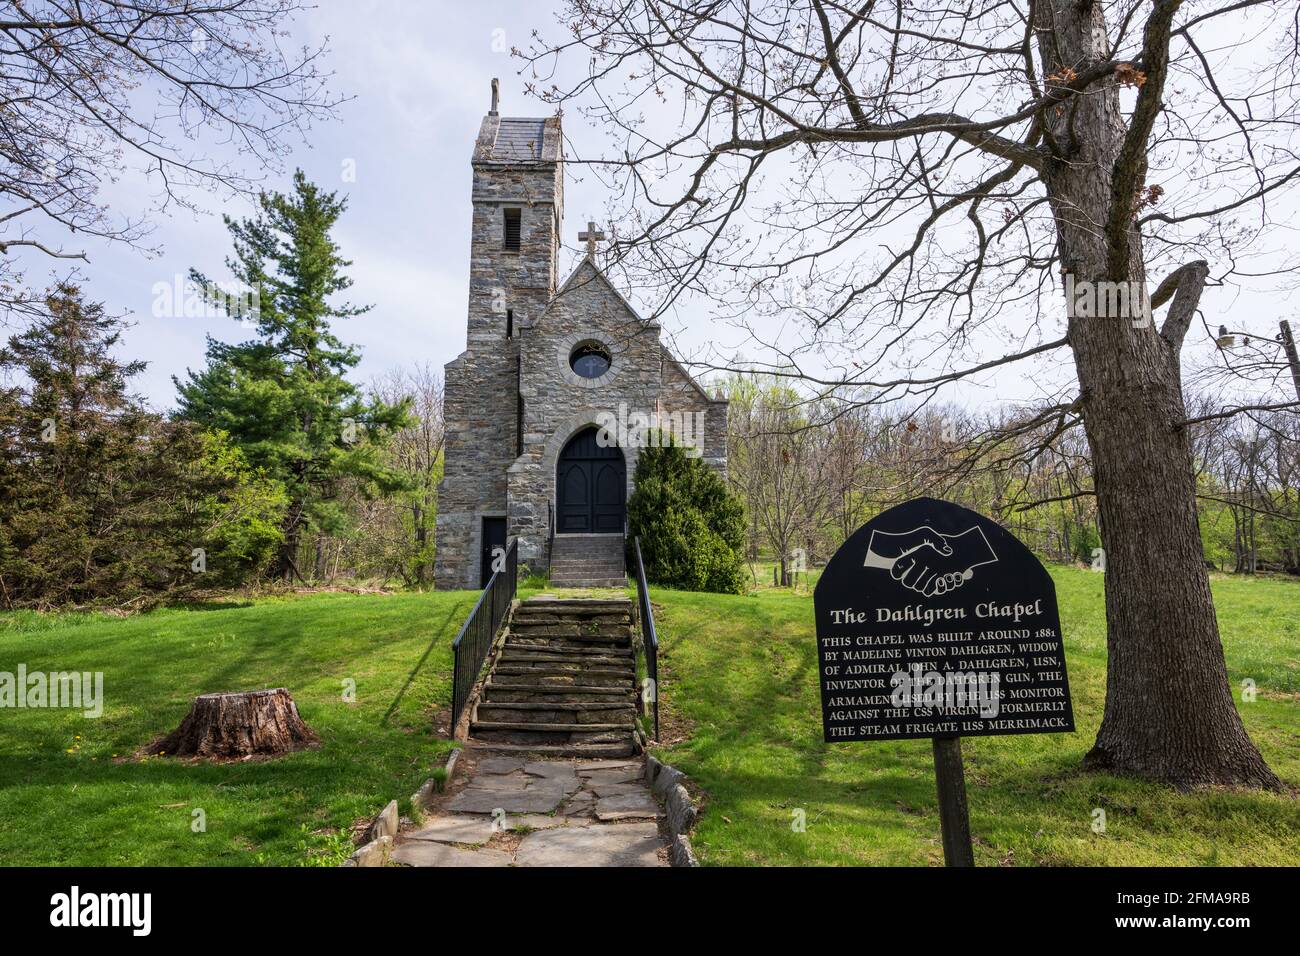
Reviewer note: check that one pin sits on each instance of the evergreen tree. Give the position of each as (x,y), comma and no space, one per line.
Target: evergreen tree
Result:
(105,501)
(692,529)
(283,396)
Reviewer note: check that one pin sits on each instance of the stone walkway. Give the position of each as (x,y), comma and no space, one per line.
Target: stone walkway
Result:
(517,812)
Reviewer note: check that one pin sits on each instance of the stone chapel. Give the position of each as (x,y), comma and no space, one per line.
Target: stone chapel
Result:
(559,386)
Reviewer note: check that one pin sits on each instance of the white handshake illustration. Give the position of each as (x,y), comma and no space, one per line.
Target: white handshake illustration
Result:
(928,562)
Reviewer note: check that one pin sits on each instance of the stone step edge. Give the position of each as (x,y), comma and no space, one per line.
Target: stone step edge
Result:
(558,688)
(568,651)
(576,602)
(622,673)
(596,660)
(560,705)
(575,630)
(555,750)
(591,583)
(548,728)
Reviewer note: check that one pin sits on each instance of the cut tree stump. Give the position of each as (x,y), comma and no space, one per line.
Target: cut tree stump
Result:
(252,723)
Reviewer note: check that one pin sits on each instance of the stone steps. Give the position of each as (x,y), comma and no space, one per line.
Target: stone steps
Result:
(494,694)
(560,713)
(577,582)
(559,646)
(553,669)
(576,631)
(491,685)
(588,561)
(564,681)
(568,615)
(546,727)
(530,677)
(567,645)
(592,751)
(514,656)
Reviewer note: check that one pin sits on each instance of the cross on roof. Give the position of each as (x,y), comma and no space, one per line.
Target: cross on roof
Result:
(591,237)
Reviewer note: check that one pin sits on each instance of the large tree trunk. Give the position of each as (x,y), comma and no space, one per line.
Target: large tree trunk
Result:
(286,562)
(254,723)
(1169,712)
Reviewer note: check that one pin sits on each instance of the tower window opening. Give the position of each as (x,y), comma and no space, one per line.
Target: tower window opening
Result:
(512,231)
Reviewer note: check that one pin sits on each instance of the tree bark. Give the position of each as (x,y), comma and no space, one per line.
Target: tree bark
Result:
(232,725)
(1169,712)
(286,562)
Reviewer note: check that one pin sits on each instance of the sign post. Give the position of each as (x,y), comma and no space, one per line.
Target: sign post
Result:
(954,819)
(933,621)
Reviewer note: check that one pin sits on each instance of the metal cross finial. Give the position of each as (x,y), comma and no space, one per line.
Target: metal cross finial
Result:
(591,237)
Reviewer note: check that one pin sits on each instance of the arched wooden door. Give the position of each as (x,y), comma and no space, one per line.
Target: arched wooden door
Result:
(590,487)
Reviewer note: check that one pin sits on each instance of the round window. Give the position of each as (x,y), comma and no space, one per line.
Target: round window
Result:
(590,360)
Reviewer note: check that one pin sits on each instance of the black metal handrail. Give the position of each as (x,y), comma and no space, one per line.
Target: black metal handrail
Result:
(649,639)
(470,648)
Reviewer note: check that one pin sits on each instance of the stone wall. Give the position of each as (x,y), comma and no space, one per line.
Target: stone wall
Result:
(507,290)
(681,396)
(515,368)
(558,403)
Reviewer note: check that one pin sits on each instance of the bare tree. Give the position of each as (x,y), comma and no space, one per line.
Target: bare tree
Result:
(785,475)
(90,89)
(417,451)
(908,182)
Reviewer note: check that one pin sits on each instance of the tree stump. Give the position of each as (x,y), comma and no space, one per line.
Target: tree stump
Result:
(232,725)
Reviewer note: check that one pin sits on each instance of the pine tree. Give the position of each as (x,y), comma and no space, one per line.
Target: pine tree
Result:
(104,500)
(283,396)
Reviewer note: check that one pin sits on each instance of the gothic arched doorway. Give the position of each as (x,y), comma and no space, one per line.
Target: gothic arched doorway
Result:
(590,486)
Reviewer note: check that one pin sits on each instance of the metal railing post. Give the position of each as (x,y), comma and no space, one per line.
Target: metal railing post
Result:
(649,638)
(472,643)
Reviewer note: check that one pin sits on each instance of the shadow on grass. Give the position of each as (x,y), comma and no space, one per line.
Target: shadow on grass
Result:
(451,613)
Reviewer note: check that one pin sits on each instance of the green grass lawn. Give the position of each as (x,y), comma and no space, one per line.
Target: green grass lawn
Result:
(741,673)
(70,792)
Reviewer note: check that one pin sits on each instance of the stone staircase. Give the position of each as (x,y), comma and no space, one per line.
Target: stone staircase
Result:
(564,682)
(588,561)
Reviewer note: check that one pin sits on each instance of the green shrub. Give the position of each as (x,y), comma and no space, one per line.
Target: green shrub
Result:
(692,529)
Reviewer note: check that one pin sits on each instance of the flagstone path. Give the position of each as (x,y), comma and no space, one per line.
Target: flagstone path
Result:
(518,812)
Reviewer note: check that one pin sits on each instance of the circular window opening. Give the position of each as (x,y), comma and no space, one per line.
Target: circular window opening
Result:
(590,360)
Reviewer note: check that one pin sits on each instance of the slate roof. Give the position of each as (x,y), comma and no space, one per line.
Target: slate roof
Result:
(519,140)
(511,140)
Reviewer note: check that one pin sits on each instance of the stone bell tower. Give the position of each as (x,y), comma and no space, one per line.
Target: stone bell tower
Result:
(518,207)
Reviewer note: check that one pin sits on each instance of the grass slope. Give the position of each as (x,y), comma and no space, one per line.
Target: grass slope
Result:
(71,794)
(740,670)
(743,672)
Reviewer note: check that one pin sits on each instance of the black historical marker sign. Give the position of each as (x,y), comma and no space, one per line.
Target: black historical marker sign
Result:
(933,621)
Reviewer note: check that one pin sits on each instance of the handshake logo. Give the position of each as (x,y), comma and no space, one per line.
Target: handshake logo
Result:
(928,562)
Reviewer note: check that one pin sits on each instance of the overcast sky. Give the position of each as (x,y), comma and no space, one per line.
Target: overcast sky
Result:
(419,74)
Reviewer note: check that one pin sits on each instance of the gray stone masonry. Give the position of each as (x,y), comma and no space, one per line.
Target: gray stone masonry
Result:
(512,401)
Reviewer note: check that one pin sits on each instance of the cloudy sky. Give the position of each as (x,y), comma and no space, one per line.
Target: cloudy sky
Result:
(418,72)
